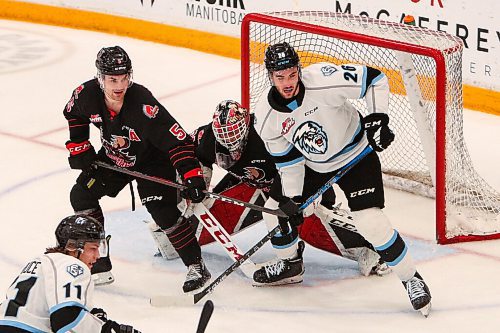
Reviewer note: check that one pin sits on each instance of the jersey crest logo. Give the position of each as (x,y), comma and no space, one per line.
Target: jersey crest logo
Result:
(311,138)
(116,150)
(287,125)
(74,270)
(328,70)
(150,111)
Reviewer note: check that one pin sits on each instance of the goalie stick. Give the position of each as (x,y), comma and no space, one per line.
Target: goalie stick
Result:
(275,230)
(206,313)
(163,181)
(222,237)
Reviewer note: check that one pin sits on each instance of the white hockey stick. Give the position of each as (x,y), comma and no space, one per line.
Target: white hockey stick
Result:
(222,237)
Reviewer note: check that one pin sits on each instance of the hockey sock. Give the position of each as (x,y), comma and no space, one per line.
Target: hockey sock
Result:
(182,237)
(376,228)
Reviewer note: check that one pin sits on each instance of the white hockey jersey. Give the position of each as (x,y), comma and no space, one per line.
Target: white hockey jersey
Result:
(48,284)
(324,127)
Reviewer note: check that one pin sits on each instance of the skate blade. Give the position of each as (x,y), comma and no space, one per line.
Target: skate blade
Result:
(426,310)
(283,282)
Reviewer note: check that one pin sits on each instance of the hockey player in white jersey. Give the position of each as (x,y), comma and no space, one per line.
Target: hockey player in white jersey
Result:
(313,131)
(53,293)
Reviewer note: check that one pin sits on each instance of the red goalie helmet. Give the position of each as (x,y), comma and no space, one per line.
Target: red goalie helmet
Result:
(230,124)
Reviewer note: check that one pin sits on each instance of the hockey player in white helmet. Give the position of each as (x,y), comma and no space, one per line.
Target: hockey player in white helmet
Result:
(53,292)
(312,130)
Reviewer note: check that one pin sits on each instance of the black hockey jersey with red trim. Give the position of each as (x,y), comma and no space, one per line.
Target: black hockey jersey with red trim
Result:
(255,166)
(143,132)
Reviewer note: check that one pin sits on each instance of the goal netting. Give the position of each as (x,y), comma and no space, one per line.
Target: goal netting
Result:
(424,68)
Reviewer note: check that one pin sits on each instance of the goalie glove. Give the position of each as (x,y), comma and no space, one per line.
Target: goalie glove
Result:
(378,123)
(81,154)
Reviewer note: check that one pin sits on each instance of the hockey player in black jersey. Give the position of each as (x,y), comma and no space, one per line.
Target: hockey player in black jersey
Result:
(312,130)
(54,292)
(230,142)
(137,133)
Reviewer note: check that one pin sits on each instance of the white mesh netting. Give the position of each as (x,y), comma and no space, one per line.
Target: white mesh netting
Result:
(472,206)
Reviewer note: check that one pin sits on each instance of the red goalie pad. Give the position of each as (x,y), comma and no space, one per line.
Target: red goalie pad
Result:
(232,217)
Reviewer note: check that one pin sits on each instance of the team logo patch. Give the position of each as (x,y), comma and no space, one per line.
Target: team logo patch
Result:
(150,111)
(328,70)
(311,138)
(74,270)
(287,125)
(95,118)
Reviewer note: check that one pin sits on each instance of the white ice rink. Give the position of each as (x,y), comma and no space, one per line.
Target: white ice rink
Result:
(39,68)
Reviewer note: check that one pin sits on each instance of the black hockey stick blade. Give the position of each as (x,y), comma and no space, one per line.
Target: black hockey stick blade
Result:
(206,313)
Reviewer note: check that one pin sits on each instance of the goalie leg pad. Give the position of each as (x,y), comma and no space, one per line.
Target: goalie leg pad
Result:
(162,242)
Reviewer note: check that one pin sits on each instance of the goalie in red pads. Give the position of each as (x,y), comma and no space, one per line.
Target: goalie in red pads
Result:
(230,142)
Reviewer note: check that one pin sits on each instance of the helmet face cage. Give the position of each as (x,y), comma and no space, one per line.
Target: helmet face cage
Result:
(230,125)
(76,230)
(113,61)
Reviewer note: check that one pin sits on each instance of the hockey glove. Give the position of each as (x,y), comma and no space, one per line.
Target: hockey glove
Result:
(81,154)
(196,186)
(290,206)
(99,313)
(113,327)
(378,122)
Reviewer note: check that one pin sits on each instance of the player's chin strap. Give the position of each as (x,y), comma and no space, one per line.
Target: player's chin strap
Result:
(256,247)
(163,181)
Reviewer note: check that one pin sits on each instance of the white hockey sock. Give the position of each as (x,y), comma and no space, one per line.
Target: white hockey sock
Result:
(376,228)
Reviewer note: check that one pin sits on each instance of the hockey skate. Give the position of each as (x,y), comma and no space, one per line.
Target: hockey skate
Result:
(196,277)
(101,270)
(420,296)
(281,271)
(369,263)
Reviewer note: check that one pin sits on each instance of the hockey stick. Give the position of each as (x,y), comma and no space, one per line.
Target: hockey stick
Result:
(206,313)
(163,181)
(222,237)
(275,230)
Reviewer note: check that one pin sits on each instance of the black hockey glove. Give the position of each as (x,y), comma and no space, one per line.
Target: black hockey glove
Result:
(99,313)
(196,186)
(113,327)
(290,206)
(374,122)
(81,154)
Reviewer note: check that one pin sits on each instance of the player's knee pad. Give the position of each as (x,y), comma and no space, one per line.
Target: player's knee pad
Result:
(81,198)
(373,225)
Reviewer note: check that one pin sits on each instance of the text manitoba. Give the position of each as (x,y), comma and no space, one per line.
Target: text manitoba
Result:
(214,14)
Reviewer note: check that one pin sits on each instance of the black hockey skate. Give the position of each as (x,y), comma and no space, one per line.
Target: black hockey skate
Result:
(196,277)
(101,270)
(420,296)
(282,271)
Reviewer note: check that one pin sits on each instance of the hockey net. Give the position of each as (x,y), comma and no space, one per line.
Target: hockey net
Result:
(424,69)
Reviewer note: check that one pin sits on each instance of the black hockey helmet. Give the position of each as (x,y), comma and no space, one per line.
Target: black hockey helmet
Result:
(281,56)
(74,231)
(113,61)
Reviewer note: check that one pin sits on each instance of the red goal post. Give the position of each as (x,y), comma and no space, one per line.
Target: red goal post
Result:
(424,68)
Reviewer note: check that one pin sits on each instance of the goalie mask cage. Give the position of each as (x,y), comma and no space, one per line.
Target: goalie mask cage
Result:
(424,68)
